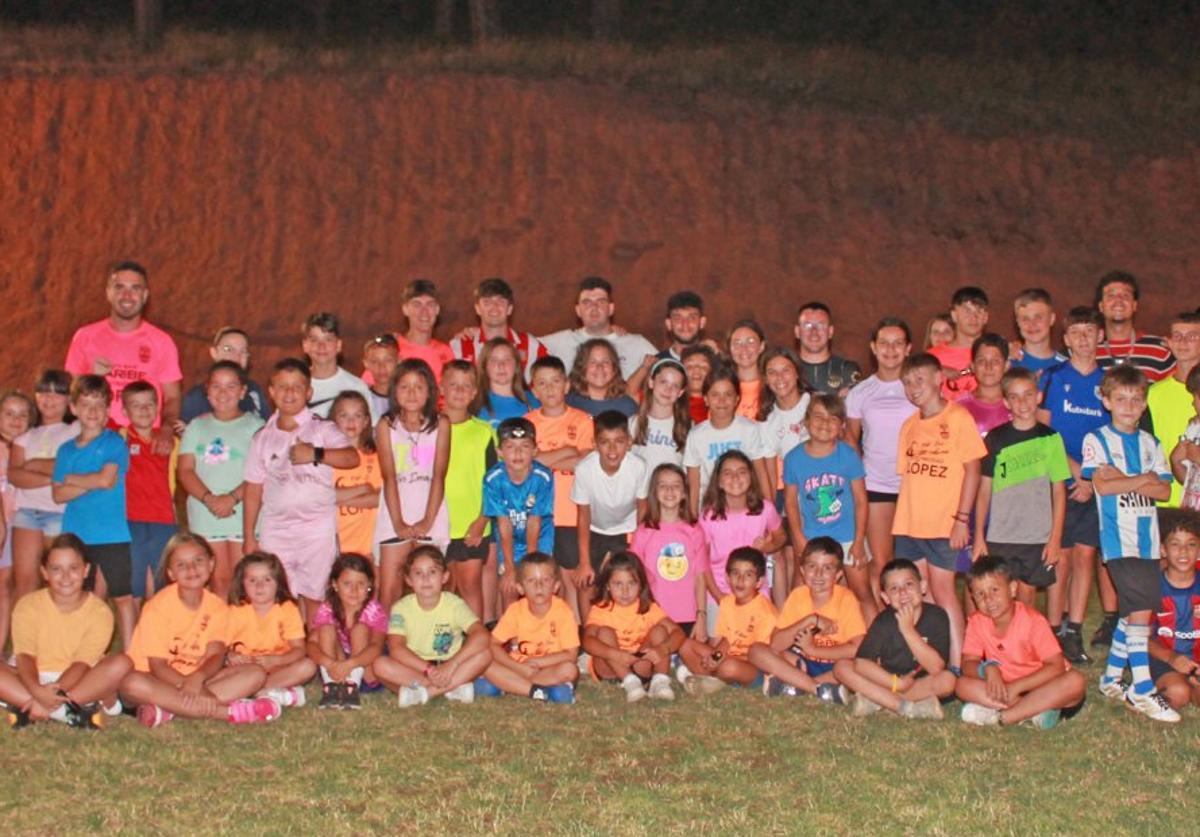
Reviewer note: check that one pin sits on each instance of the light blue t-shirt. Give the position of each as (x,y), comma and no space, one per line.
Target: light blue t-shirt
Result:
(506,407)
(97,517)
(826,496)
(535,496)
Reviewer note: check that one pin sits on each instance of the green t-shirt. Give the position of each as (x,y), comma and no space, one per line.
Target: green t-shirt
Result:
(432,634)
(472,452)
(1023,464)
(220,449)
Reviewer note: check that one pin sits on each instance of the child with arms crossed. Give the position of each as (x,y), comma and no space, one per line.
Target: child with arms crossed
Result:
(348,632)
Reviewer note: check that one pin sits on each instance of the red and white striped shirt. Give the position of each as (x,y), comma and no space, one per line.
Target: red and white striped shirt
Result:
(1145,351)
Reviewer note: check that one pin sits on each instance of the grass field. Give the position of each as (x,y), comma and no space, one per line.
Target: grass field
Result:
(733,763)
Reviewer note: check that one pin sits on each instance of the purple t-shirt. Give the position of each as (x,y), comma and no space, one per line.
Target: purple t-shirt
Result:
(882,408)
(987,416)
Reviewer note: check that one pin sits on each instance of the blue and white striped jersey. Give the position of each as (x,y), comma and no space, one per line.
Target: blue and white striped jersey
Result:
(1129,521)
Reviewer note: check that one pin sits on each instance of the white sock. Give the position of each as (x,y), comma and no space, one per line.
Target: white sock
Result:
(682,672)
(59,714)
(325,678)
(114,710)
(356,676)
(660,677)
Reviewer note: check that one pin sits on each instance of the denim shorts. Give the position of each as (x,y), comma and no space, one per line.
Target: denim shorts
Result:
(937,551)
(47,522)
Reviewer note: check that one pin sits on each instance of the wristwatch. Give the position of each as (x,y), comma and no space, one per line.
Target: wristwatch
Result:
(318,456)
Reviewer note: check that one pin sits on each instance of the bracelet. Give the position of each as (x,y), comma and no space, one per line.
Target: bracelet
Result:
(895,683)
(984,665)
(961,517)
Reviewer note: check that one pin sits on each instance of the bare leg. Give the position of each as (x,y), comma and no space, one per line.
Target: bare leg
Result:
(779,577)
(6,603)
(28,545)
(126,619)
(1108,592)
(858,579)
(781,666)
(226,554)
(139,688)
(467,579)
(604,669)
(102,680)
(490,585)
(941,585)
(1083,566)
(879,541)
(292,674)
(391,569)
(236,682)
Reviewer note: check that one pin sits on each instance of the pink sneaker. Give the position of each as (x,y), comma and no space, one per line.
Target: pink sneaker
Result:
(254,711)
(151,716)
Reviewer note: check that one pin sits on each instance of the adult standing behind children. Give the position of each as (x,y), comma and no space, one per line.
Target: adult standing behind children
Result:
(322,344)
(594,307)
(1169,401)
(969,311)
(124,348)
(494,301)
(684,325)
(823,370)
(232,345)
(421,308)
(1117,300)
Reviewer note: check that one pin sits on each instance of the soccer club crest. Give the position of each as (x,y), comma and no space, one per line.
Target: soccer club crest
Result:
(143,354)
(530,501)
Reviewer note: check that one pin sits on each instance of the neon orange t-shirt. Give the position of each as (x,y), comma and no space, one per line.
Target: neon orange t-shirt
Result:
(751,395)
(930,460)
(573,429)
(842,608)
(258,636)
(170,630)
(537,636)
(1022,650)
(744,625)
(356,527)
(436,353)
(630,626)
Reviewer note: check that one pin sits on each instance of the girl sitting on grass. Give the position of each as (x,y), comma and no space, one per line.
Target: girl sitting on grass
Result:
(266,628)
(627,634)
(348,632)
(178,649)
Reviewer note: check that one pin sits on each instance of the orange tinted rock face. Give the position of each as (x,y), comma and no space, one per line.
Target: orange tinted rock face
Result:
(255,201)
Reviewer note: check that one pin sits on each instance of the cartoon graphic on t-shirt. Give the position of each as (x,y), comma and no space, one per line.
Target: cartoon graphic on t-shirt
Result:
(216,451)
(672,562)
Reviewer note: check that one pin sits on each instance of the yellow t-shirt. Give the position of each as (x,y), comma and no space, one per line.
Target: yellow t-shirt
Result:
(573,429)
(630,626)
(842,608)
(744,625)
(57,640)
(171,631)
(537,636)
(930,462)
(258,636)
(435,634)
(356,527)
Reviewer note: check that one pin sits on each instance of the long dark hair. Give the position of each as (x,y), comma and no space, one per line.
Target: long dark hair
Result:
(629,562)
(766,398)
(237,590)
(347,561)
(578,376)
(681,413)
(429,411)
(483,397)
(366,439)
(714,497)
(652,519)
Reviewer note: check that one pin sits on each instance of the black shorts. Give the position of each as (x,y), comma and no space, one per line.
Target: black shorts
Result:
(881,496)
(1025,562)
(1158,668)
(601,545)
(1082,525)
(1071,711)
(115,561)
(566,547)
(1138,583)
(457,550)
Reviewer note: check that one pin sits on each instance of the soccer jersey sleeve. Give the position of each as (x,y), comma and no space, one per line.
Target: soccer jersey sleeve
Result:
(493,496)
(544,505)
(1094,455)
(1058,469)
(1159,466)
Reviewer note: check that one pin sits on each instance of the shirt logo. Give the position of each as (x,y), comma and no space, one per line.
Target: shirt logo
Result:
(144,354)
(530,501)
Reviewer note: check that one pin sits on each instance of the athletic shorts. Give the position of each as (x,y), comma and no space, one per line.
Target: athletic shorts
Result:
(47,522)
(937,551)
(1082,525)
(146,549)
(567,555)
(1025,562)
(115,560)
(457,550)
(881,496)
(1158,668)
(1138,583)
(813,668)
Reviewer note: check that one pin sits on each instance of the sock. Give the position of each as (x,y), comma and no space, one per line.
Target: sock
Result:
(59,714)
(1110,616)
(1114,668)
(533,690)
(1137,640)
(356,676)
(325,678)
(1074,627)
(114,710)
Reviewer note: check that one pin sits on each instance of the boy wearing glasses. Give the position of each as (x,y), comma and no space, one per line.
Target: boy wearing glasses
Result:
(1171,405)
(823,371)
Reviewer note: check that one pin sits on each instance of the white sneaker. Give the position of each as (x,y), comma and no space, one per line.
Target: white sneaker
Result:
(462,694)
(287,697)
(413,696)
(583,660)
(1114,689)
(682,673)
(929,708)
(864,706)
(700,685)
(980,715)
(660,687)
(634,691)
(1154,706)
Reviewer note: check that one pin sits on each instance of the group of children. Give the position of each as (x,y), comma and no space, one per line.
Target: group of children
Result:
(460,529)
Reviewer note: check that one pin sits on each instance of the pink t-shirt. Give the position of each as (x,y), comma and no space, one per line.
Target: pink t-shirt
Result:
(673,555)
(298,521)
(736,529)
(146,353)
(1023,649)
(987,416)
(955,357)
(372,615)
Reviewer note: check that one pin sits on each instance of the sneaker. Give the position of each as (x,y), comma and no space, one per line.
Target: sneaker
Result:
(292,697)
(774,687)
(1072,646)
(331,696)
(634,690)
(699,685)
(1153,705)
(350,697)
(660,688)
(980,715)
(16,718)
(929,707)
(486,688)
(833,693)
(682,673)
(1045,720)
(462,694)
(1102,638)
(414,695)
(864,706)
(151,716)
(87,716)
(538,694)
(562,693)
(1114,689)
(254,711)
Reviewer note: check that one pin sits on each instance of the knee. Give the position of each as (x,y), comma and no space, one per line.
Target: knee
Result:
(944,683)
(136,687)
(1076,685)
(606,635)
(843,669)
(1177,692)
(758,653)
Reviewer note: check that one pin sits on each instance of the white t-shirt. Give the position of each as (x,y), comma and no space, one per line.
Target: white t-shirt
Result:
(42,443)
(705,444)
(631,348)
(325,390)
(660,443)
(883,408)
(783,429)
(612,497)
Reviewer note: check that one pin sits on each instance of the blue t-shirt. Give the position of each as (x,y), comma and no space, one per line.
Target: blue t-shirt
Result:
(1039,364)
(623,404)
(97,517)
(506,407)
(1073,401)
(1175,623)
(535,496)
(823,483)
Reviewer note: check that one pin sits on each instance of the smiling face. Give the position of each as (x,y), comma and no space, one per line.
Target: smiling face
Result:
(697,367)
(1034,321)
(411,393)
(189,566)
(52,406)
(64,571)
(91,410)
(501,368)
(612,445)
(903,587)
(1082,339)
(823,426)
(993,595)
(1184,343)
(969,318)
(351,417)
(290,390)
(458,389)
(1022,399)
(922,386)
(821,571)
(322,347)
(669,490)
(493,312)
(743,580)
(518,455)
(814,331)
(141,408)
(1117,303)
(745,347)
(260,584)
(890,348)
(1181,551)
(233,347)
(421,313)
(782,378)
(684,325)
(941,332)
(127,294)
(667,386)
(989,366)
(15,418)
(734,478)
(599,371)
(380,360)
(623,587)
(225,391)
(722,400)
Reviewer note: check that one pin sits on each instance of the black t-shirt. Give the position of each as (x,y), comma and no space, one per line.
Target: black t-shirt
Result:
(884,644)
(832,376)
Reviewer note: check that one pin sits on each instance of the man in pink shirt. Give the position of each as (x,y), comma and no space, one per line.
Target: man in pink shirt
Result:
(125,348)
(421,309)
